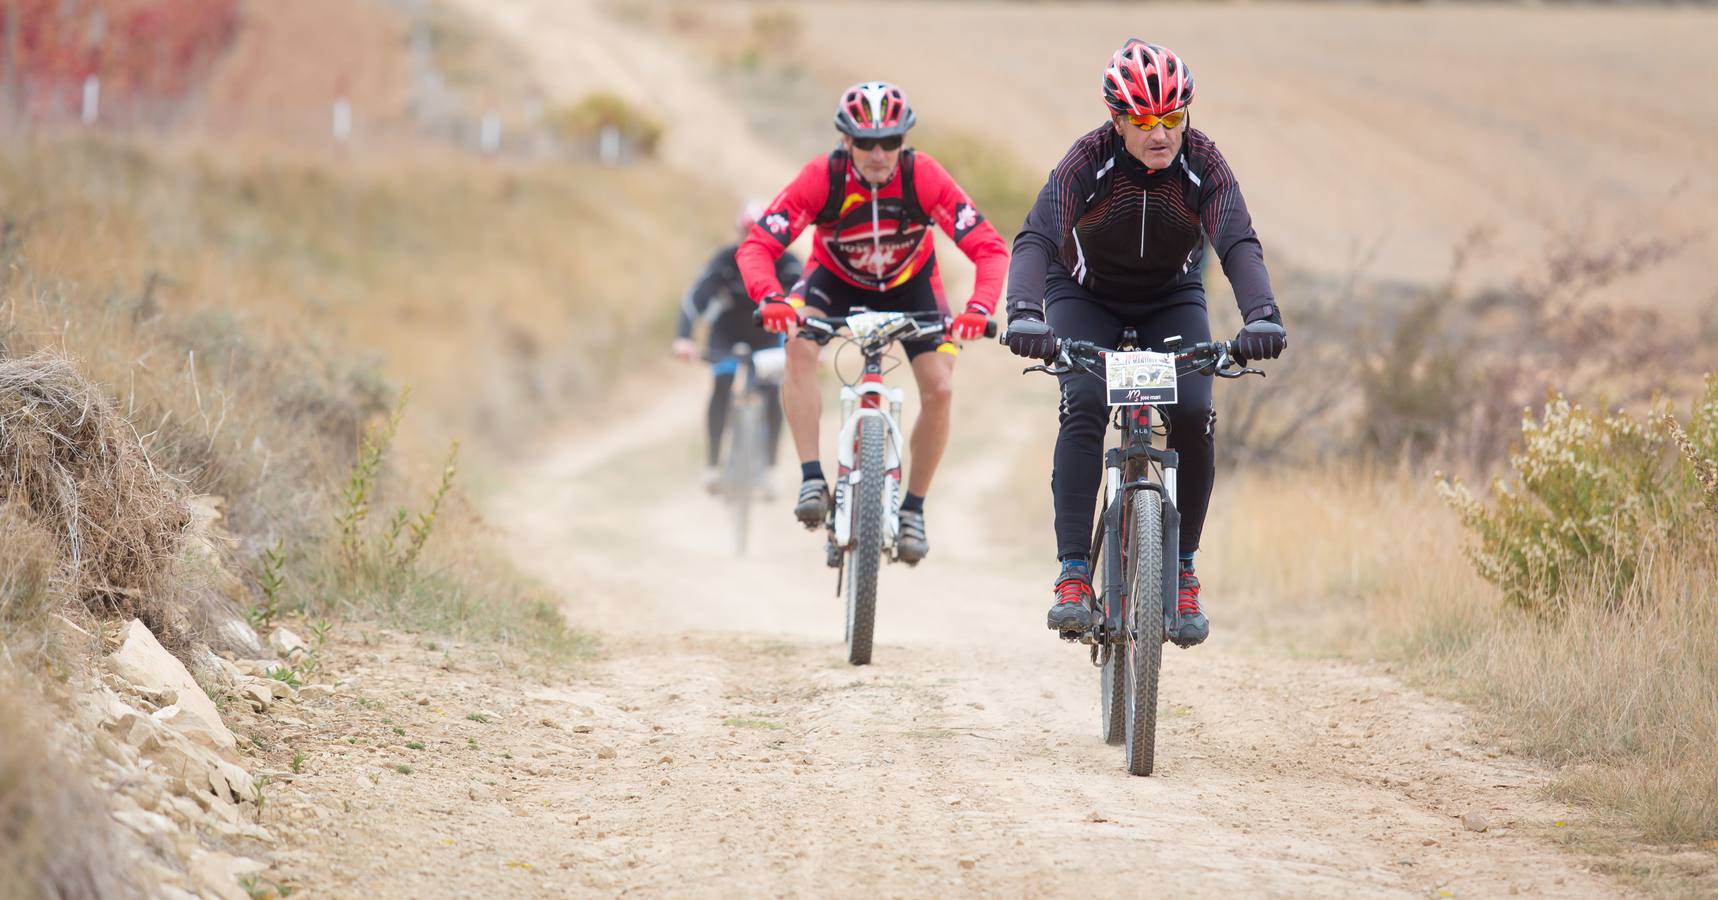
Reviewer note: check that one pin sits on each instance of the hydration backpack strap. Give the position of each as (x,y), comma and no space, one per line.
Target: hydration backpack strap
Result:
(912,210)
(831,210)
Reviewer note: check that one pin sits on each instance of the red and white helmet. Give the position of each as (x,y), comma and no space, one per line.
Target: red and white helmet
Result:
(874,109)
(1146,80)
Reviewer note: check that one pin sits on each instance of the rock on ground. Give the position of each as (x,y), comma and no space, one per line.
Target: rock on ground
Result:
(142,661)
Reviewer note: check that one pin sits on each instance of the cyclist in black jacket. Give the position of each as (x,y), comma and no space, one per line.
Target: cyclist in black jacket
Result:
(719,297)
(1116,239)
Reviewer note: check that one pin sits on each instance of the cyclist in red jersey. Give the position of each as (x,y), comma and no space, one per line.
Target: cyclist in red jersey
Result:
(872,203)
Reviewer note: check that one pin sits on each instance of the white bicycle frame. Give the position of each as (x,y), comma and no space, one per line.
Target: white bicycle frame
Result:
(847,482)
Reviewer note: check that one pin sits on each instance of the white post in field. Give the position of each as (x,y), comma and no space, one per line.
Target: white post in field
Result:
(489,134)
(342,120)
(92,99)
(608,145)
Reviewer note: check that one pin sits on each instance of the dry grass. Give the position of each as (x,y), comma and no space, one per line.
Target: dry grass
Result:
(30,585)
(250,312)
(1334,561)
(80,470)
(499,293)
(1625,704)
(462,588)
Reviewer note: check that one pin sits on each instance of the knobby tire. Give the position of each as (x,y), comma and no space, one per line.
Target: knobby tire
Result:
(1143,649)
(867,554)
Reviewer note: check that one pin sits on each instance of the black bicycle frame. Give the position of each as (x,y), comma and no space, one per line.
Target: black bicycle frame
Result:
(1135,426)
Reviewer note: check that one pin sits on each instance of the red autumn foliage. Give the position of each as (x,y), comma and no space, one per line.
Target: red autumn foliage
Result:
(142,50)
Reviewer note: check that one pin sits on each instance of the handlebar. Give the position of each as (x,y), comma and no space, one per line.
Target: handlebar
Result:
(924,324)
(1220,358)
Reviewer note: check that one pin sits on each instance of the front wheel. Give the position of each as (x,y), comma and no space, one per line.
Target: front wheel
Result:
(1142,651)
(867,553)
(1112,678)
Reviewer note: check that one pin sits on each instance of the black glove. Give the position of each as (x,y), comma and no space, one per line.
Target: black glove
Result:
(1262,339)
(1031,338)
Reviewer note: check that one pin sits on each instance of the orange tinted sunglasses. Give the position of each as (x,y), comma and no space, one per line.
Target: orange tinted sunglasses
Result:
(1167,120)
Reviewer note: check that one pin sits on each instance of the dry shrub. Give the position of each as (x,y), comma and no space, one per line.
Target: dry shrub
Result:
(1621,698)
(1438,374)
(1594,494)
(56,837)
(73,465)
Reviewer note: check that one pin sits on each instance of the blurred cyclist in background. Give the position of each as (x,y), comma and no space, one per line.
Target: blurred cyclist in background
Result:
(719,299)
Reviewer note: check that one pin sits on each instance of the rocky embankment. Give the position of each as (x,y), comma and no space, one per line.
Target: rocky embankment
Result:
(172,769)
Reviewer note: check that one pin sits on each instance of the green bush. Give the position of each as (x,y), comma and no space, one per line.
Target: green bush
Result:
(582,123)
(1593,495)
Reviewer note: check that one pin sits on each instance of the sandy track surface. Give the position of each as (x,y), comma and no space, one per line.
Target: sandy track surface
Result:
(720,745)
(749,758)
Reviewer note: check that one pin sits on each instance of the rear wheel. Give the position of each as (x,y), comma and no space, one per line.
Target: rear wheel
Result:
(1112,689)
(867,553)
(741,472)
(1142,651)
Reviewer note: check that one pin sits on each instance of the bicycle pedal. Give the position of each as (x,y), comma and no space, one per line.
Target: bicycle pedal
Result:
(1072,637)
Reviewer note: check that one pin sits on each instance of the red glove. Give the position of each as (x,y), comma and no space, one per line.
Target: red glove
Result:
(779,315)
(969,325)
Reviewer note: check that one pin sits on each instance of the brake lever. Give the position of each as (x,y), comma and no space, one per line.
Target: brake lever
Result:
(1237,373)
(1046,369)
(820,338)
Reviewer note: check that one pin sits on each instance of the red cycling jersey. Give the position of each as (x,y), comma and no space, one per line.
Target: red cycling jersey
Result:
(873,245)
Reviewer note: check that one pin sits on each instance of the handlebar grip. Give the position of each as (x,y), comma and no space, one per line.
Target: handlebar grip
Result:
(758,316)
(990,328)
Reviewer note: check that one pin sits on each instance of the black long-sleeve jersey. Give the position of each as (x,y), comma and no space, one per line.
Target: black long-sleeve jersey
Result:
(1131,235)
(719,294)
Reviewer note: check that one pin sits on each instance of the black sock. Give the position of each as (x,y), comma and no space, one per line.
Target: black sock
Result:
(810,470)
(913,503)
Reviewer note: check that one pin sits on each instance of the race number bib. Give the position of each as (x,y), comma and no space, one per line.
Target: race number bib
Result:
(1139,378)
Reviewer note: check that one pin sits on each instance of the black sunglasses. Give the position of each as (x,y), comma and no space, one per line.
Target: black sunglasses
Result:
(866,145)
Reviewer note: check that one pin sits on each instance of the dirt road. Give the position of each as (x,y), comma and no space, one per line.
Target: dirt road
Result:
(719,744)
(750,759)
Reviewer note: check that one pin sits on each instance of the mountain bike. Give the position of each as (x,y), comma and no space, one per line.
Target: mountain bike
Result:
(1136,539)
(746,458)
(865,519)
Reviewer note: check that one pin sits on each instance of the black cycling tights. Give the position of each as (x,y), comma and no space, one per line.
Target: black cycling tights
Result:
(1085,415)
(716,418)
